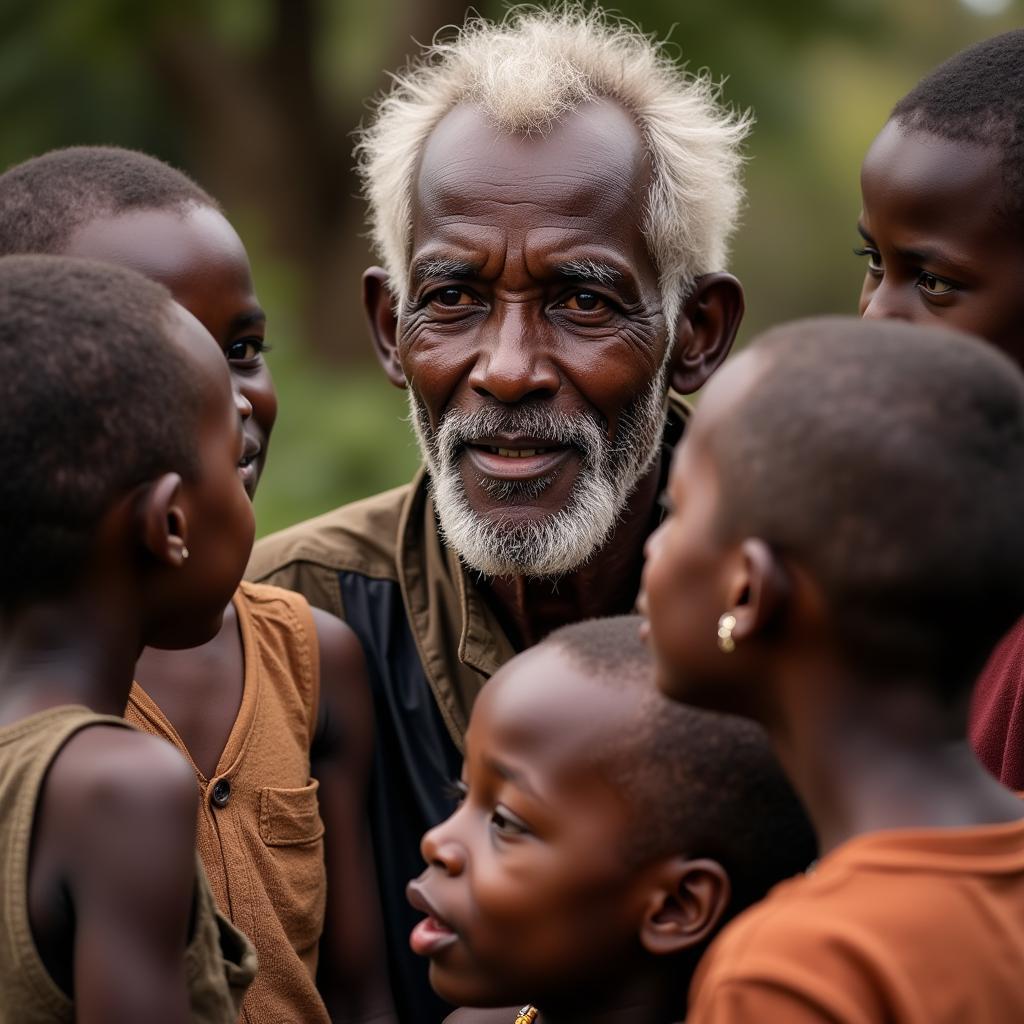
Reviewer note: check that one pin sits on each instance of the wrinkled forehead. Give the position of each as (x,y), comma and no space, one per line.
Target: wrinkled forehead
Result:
(590,165)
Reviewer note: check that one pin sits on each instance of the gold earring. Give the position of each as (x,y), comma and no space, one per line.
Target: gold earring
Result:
(726,624)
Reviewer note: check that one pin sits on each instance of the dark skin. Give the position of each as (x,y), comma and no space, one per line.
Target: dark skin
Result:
(111,869)
(862,756)
(939,245)
(500,313)
(199,257)
(528,890)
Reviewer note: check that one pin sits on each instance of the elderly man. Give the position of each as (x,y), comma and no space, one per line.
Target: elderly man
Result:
(552,200)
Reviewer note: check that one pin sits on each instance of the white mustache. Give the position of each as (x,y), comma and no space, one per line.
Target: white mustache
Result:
(458,429)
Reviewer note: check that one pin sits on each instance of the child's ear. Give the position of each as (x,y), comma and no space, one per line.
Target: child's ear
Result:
(759,589)
(705,330)
(164,525)
(379,306)
(685,906)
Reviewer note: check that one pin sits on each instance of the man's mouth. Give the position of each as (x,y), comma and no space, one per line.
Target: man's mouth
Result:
(432,934)
(516,459)
(515,453)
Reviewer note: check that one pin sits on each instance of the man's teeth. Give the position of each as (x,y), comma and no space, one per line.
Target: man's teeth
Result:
(517,453)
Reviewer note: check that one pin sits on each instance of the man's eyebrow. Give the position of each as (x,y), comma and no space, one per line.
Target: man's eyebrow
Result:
(431,268)
(589,270)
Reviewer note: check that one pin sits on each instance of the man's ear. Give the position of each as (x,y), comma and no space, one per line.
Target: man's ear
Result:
(705,330)
(759,589)
(163,521)
(378,304)
(685,906)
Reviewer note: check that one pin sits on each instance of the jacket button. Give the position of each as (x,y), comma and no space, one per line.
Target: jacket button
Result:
(221,793)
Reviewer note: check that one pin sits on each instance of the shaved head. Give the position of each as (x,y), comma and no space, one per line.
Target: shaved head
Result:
(887,460)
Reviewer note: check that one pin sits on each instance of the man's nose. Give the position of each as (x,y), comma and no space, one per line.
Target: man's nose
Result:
(513,363)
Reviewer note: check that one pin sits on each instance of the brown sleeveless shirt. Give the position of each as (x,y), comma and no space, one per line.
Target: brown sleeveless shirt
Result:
(259,832)
(219,962)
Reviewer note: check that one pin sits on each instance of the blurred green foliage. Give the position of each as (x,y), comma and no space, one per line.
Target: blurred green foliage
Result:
(218,86)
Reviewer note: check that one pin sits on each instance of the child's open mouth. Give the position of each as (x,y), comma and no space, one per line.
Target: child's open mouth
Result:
(248,466)
(431,935)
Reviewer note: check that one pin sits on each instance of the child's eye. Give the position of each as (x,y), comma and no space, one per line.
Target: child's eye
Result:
(874,258)
(456,791)
(246,349)
(934,285)
(507,824)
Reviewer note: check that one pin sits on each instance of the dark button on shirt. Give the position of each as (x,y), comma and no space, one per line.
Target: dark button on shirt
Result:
(221,793)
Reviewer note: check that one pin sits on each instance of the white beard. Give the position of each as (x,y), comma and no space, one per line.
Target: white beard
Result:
(499,545)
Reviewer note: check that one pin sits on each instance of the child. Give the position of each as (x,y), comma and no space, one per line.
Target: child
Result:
(118,529)
(843,551)
(279,685)
(603,835)
(943,227)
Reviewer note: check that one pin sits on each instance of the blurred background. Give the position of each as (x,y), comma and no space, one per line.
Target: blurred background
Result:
(257,100)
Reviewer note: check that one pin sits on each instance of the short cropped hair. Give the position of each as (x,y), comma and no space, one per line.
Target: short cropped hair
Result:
(887,461)
(43,201)
(700,783)
(524,74)
(977,96)
(94,399)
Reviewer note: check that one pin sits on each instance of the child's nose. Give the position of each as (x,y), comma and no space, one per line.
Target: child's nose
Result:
(442,850)
(884,303)
(242,404)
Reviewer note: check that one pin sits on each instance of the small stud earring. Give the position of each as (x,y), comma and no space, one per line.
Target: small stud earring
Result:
(184,553)
(726,624)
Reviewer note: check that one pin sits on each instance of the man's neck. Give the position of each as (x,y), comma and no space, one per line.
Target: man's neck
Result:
(888,758)
(66,652)
(529,609)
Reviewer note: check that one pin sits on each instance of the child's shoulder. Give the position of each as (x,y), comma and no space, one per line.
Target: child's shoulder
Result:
(881,906)
(105,776)
(330,643)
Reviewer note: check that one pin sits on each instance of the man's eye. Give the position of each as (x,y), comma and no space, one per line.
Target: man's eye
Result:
(584,302)
(246,349)
(873,256)
(452,297)
(934,285)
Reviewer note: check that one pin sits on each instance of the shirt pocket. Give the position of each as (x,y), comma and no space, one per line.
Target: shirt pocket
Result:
(290,817)
(292,831)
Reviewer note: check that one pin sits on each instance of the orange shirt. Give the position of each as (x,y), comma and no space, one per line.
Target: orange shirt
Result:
(902,927)
(259,832)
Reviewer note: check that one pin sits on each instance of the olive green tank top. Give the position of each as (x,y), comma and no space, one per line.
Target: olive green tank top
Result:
(219,961)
